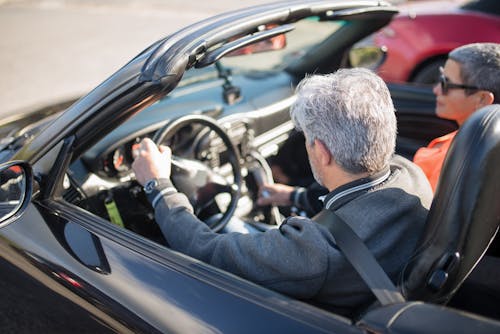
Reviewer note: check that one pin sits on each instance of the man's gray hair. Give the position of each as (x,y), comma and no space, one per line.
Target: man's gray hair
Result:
(479,66)
(352,113)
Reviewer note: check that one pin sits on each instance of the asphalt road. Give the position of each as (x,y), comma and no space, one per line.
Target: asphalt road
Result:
(54,50)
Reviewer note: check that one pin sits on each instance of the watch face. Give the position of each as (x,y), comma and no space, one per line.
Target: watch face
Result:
(150,185)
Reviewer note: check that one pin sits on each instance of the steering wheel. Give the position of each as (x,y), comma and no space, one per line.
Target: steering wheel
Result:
(196,180)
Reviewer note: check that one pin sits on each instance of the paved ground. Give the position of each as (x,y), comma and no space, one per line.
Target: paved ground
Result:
(52,50)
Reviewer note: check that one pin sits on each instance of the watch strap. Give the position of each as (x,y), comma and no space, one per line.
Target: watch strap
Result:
(162,188)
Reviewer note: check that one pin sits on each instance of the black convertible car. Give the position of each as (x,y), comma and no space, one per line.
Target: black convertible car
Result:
(79,248)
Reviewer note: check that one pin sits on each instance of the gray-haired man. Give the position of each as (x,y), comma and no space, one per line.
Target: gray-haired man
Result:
(350,129)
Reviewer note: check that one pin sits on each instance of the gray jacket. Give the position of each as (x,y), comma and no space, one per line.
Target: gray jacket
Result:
(300,259)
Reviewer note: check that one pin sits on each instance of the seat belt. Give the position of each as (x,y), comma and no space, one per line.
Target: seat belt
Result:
(360,257)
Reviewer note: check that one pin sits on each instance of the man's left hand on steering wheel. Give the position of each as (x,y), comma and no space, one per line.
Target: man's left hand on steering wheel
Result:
(149,163)
(198,181)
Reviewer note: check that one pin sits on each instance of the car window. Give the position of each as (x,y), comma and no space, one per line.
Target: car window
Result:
(484,6)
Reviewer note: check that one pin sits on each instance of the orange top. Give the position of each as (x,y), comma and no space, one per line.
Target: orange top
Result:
(431,158)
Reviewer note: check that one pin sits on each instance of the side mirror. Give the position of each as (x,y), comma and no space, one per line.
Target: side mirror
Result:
(16,184)
(370,57)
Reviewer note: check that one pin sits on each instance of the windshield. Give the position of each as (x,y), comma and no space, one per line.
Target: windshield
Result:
(299,41)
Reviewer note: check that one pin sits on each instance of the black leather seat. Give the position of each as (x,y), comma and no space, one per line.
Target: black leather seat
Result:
(465,214)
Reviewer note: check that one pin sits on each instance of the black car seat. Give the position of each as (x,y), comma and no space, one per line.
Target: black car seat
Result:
(464,216)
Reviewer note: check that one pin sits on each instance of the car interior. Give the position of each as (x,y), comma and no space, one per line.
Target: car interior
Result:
(227,130)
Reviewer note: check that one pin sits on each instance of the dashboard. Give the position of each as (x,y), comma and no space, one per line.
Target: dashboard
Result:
(257,128)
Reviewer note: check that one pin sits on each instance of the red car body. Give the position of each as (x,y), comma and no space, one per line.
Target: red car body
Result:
(420,37)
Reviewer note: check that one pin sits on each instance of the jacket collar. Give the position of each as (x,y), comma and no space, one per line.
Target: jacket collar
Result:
(348,191)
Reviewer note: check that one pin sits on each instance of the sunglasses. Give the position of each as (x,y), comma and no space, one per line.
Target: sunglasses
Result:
(446,85)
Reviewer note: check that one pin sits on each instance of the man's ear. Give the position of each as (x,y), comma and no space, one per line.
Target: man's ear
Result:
(324,155)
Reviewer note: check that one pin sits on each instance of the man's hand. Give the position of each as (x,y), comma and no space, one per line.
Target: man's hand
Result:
(275,194)
(150,163)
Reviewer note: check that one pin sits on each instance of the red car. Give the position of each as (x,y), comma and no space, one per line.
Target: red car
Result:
(420,37)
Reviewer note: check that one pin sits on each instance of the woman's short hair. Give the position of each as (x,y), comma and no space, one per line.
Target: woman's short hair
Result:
(479,66)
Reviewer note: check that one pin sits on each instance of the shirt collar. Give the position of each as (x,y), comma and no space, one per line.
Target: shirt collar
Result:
(344,193)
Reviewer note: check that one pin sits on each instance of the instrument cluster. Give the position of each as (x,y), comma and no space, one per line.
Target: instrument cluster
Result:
(118,163)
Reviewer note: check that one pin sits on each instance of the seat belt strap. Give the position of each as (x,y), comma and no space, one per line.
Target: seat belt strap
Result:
(360,257)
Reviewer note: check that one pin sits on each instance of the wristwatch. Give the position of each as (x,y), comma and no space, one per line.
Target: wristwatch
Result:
(155,189)
(151,185)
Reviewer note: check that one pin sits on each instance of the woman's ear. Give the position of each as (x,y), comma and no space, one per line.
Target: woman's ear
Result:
(485,98)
